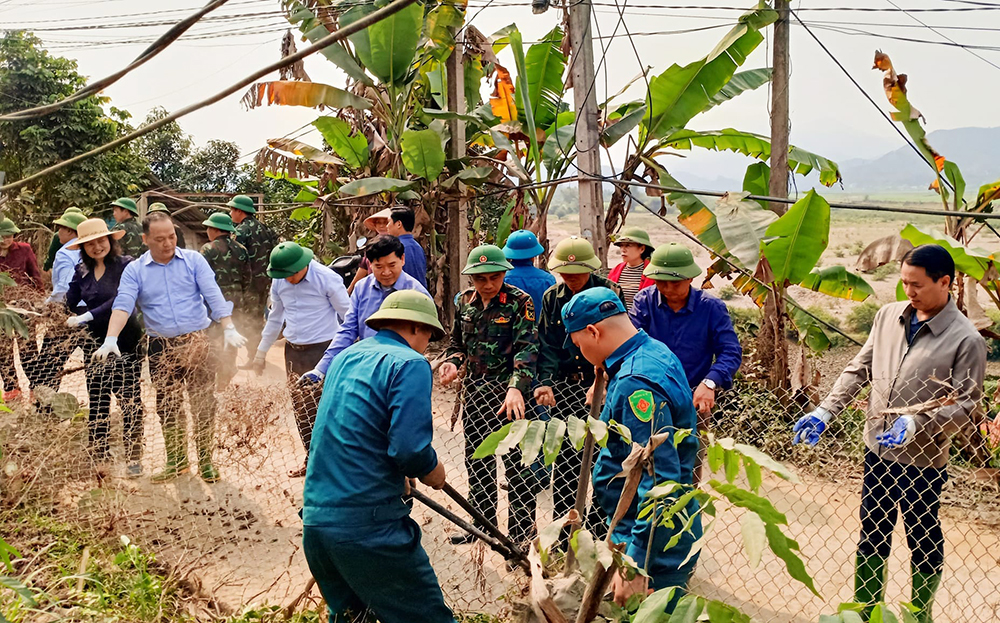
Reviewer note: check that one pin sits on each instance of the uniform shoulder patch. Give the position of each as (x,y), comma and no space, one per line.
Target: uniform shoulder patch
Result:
(529,310)
(642,404)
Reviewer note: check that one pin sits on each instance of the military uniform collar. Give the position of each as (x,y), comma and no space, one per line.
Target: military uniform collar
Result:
(500,298)
(615,360)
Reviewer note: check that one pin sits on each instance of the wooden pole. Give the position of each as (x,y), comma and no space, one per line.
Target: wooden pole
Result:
(458,206)
(779,108)
(588,132)
(583,484)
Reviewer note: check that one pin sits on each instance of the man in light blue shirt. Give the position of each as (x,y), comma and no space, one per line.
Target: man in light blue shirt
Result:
(386,258)
(310,300)
(402,220)
(171,287)
(64,265)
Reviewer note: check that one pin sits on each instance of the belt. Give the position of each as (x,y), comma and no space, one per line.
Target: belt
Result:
(307,346)
(346,515)
(183,336)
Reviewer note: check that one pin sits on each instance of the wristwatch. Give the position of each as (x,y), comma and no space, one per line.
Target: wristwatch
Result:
(709,383)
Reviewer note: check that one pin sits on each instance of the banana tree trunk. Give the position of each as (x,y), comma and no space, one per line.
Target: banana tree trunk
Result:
(772,347)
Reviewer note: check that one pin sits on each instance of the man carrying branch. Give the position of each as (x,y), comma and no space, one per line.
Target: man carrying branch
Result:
(648,393)
(924,362)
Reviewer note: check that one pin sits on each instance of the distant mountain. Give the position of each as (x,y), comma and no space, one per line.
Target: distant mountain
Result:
(975,150)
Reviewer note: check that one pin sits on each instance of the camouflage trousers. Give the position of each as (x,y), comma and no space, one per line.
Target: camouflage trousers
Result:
(481,402)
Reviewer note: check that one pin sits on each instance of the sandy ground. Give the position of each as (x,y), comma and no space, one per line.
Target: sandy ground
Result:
(242,536)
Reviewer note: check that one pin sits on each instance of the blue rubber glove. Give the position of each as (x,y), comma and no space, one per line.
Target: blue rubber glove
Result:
(312,376)
(901,433)
(810,426)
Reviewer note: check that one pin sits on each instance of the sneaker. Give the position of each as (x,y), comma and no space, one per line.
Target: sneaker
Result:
(133,471)
(12,395)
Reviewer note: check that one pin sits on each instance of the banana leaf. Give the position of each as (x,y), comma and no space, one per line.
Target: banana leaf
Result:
(838,282)
(297,93)
(387,48)
(313,29)
(544,64)
(422,153)
(972,262)
(337,133)
(375,185)
(794,243)
(740,83)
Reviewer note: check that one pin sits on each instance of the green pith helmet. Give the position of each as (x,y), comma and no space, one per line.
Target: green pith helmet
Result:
(487,258)
(671,262)
(74,209)
(287,259)
(221,221)
(242,202)
(574,256)
(635,235)
(8,228)
(157,207)
(70,219)
(126,203)
(408,305)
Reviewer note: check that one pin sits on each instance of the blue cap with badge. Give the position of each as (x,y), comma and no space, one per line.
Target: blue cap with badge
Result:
(589,307)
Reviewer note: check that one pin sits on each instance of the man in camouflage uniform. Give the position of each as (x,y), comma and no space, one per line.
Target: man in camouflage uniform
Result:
(494,336)
(231,263)
(125,213)
(560,364)
(259,241)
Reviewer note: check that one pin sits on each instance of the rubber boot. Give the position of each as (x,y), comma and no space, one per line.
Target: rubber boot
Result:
(925,586)
(175,440)
(208,472)
(869,582)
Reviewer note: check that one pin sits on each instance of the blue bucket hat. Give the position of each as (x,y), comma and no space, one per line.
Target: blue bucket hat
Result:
(589,307)
(522,245)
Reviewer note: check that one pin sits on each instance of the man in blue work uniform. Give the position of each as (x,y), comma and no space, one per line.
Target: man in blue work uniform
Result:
(695,325)
(171,287)
(386,259)
(648,393)
(402,220)
(373,432)
(308,300)
(521,249)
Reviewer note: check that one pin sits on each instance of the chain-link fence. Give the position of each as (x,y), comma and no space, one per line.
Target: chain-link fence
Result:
(238,540)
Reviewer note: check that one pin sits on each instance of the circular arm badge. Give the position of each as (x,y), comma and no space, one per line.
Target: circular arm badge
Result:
(642,404)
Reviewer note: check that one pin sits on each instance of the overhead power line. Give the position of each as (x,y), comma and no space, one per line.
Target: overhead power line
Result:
(96,87)
(338,35)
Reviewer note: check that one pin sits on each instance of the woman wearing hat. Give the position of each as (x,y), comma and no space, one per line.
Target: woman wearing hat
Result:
(636,249)
(96,284)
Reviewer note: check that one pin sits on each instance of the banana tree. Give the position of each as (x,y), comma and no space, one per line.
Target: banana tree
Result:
(386,132)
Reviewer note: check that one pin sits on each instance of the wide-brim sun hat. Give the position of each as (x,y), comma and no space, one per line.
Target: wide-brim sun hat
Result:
(408,305)
(671,262)
(92,229)
(381,214)
(522,245)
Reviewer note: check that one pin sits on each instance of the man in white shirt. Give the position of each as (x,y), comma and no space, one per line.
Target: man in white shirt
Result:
(310,301)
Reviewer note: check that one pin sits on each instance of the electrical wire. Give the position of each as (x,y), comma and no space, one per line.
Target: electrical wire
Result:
(95,87)
(338,35)
(945,37)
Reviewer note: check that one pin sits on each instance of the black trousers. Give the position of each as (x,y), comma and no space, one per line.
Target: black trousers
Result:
(118,376)
(572,400)
(917,493)
(480,405)
(299,359)
(184,362)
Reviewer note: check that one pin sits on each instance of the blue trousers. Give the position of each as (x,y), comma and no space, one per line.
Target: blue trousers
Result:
(379,567)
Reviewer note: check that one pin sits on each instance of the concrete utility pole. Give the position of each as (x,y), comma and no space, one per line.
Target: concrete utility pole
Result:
(588,131)
(779,107)
(458,207)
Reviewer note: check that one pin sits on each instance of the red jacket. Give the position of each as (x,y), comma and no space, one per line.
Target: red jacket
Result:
(616,274)
(20,263)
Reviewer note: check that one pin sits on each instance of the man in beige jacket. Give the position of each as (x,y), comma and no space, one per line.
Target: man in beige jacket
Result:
(925,362)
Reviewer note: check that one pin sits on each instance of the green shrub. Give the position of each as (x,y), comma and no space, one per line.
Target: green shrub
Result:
(883,272)
(746,321)
(727,292)
(862,317)
(836,340)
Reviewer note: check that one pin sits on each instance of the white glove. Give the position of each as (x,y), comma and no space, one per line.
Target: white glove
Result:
(110,347)
(259,363)
(312,376)
(232,337)
(75,321)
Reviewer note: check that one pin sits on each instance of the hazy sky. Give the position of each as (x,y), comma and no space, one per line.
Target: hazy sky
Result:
(829,115)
